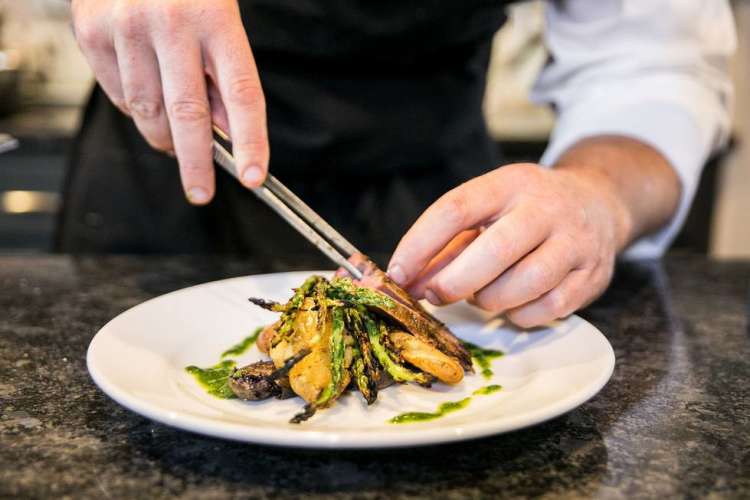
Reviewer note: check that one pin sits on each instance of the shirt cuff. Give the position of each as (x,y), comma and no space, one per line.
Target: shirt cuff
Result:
(666,127)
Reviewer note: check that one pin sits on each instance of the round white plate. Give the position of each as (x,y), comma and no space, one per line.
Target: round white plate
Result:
(139,360)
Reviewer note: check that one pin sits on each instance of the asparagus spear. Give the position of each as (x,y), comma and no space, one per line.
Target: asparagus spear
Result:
(364,383)
(270,305)
(344,289)
(365,370)
(399,372)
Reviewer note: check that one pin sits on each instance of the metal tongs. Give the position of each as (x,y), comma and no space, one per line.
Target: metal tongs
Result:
(295,211)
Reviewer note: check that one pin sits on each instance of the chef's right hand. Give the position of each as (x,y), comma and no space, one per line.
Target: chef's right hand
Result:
(175,66)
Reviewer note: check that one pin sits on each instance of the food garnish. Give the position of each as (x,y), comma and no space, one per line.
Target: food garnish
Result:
(338,335)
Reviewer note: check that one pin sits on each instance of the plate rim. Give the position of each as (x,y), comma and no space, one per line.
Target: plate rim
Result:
(317,439)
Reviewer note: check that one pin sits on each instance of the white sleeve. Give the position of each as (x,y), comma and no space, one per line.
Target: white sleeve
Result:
(653,70)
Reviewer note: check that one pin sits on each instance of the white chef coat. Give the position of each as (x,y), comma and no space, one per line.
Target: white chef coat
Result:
(654,70)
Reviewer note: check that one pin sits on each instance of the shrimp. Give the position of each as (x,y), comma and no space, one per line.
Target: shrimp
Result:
(427,358)
(310,376)
(266,336)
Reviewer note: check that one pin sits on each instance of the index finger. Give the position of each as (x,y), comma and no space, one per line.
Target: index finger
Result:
(469,205)
(186,101)
(231,63)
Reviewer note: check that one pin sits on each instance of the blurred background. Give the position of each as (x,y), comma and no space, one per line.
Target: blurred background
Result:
(44,82)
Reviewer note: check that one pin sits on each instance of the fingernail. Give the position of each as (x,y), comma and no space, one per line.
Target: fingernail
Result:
(252,176)
(432,298)
(397,274)
(197,196)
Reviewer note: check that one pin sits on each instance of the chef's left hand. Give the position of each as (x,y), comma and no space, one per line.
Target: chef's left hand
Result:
(535,243)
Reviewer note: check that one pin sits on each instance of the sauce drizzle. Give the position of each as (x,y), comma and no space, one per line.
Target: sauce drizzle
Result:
(214,378)
(443,409)
(483,357)
(243,345)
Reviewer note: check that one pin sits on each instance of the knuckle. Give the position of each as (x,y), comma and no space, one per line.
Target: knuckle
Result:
(497,249)
(581,218)
(522,318)
(524,172)
(540,276)
(128,23)
(172,18)
(189,111)
(572,248)
(258,144)
(553,206)
(488,301)
(89,36)
(192,169)
(443,290)
(246,91)
(146,109)
(557,304)
(173,10)
(455,208)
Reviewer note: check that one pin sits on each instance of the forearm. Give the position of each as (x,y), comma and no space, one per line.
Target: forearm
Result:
(639,184)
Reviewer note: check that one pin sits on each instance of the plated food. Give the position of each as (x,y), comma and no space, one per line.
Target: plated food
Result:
(337,334)
(139,359)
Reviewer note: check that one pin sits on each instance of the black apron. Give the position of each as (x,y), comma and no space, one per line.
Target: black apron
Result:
(374,111)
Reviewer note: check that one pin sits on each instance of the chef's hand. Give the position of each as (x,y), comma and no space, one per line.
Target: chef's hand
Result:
(538,243)
(175,66)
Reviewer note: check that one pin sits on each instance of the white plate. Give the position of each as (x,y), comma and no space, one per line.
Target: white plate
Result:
(139,360)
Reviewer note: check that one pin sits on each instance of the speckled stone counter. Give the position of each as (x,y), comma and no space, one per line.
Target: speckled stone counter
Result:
(673,421)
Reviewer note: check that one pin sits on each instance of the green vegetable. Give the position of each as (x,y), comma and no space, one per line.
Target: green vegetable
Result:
(336,386)
(291,307)
(215,378)
(338,349)
(443,409)
(322,302)
(397,371)
(361,378)
(359,344)
(344,289)
(488,389)
(483,357)
(243,345)
(419,416)
(368,384)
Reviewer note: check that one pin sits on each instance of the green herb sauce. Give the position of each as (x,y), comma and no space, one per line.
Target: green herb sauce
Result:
(443,409)
(214,379)
(488,389)
(483,357)
(244,345)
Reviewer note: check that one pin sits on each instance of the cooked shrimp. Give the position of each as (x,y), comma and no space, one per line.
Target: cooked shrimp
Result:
(281,352)
(427,358)
(310,376)
(266,336)
(305,325)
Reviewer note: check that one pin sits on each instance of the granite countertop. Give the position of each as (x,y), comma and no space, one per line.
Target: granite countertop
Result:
(674,420)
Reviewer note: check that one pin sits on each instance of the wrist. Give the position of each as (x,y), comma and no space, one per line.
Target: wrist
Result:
(637,182)
(597,186)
